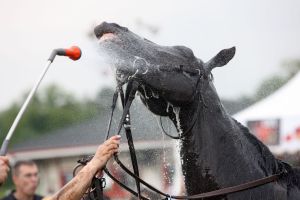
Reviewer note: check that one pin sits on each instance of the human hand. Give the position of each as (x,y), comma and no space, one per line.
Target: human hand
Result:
(4,168)
(105,151)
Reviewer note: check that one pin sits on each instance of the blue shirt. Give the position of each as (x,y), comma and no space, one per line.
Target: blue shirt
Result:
(11,196)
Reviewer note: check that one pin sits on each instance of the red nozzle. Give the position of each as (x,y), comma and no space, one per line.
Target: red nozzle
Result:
(74,52)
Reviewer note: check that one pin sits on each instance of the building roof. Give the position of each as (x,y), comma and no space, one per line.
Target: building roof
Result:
(282,103)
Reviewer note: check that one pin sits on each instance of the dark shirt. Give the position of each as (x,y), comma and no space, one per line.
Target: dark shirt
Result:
(12,197)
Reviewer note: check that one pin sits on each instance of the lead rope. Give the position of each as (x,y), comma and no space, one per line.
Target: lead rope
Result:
(125,121)
(113,106)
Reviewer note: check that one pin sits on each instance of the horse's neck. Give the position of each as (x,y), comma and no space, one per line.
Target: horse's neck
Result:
(218,152)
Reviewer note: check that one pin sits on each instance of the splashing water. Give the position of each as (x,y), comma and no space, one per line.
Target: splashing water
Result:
(163,136)
(140,65)
(176,111)
(132,76)
(154,94)
(168,106)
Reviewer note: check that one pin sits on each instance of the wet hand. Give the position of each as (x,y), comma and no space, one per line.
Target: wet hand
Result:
(105,151)
(4,168)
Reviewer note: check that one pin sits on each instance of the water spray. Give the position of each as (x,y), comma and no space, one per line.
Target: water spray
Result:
(73,53)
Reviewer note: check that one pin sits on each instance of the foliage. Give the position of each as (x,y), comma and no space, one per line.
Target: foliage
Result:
(233,106)
(269,86)
(273,83)
(266,88)
(50,109)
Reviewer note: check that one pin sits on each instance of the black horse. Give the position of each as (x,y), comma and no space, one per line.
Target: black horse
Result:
(216,150)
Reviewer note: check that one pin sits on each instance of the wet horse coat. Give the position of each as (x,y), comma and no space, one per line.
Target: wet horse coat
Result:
(218,151)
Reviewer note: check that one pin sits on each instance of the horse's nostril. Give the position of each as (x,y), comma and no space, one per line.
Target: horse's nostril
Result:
(107,36)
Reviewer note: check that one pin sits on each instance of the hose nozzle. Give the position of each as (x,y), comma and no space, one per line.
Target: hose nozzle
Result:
(73,53)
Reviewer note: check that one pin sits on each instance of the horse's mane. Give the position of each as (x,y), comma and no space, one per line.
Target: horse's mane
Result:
(261,148)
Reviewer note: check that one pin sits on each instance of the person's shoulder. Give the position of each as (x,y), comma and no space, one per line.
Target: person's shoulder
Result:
(10,196)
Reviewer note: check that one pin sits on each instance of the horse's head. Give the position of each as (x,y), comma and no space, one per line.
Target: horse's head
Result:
(166,74)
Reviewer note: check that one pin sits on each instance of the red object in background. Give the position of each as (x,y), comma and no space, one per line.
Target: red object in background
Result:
(298,132)
(63,178)
(117,191)
(266,131)
(263,132)
(288,138)
(295,134)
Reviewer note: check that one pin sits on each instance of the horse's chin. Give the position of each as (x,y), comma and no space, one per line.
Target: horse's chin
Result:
(156,105)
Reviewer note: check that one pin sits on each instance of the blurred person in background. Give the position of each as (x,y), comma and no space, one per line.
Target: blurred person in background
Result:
(25,178)
(25,175)
(4,169)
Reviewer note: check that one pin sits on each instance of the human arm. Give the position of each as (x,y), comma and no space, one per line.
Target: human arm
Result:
(4,169)
(76,188)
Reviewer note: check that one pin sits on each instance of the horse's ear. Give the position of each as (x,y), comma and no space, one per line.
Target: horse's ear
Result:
(221,59)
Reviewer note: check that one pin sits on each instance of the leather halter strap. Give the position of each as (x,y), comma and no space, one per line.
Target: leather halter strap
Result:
(202,76)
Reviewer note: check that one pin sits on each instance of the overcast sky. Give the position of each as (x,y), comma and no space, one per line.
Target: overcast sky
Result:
(265,33)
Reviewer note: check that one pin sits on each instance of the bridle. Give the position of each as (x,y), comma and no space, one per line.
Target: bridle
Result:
(127,100)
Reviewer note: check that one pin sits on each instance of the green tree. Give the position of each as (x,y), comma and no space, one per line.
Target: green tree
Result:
(50,109)
(273,83)
(268,86)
